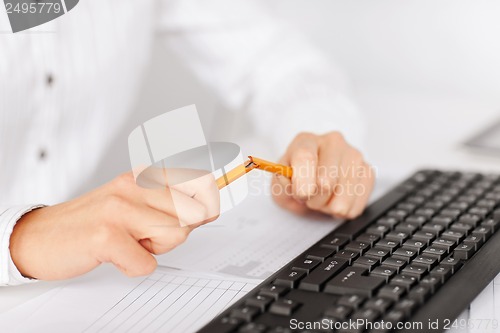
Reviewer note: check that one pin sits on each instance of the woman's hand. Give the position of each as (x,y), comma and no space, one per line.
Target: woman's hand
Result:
(329,176)
(120,223)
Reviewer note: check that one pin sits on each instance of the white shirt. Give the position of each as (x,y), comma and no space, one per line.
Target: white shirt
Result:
(67,86)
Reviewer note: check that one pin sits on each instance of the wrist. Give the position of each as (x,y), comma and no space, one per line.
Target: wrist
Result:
(21,244)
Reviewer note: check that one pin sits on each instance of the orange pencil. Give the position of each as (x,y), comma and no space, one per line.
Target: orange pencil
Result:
(253,163)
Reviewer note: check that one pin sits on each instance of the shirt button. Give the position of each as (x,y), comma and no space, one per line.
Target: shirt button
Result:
(49,79)
(42,154)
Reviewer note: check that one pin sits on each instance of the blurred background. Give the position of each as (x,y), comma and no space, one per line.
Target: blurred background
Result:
(424,74)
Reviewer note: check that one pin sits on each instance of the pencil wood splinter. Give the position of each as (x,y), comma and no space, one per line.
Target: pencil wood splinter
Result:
(249,165)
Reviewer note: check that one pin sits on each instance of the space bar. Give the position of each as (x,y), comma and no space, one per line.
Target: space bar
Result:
(351,281)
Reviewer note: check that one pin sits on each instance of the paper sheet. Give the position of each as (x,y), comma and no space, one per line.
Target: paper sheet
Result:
(167,301)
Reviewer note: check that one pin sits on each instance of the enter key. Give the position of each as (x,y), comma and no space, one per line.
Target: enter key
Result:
(352,281)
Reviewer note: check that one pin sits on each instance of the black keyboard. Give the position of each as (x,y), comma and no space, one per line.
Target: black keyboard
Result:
(418,255)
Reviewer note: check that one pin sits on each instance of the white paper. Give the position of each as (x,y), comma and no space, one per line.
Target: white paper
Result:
(167,301)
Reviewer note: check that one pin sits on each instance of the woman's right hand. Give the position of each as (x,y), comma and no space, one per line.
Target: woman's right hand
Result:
(120,222)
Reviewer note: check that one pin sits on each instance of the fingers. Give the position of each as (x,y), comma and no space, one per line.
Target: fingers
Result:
(365,186)
(282,188)
(303,157)
(129,256)
(203,190)
(194,201)
(329,176)
(329,159)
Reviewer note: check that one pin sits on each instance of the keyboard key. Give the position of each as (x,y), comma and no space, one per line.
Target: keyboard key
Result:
(493,224)
(379,230)
(435,251)
(479,211)
(260,301)
(416,270)
(394,317)
(351,281)
(389,244)
(364,316)
(253,328)
(406,252)
(384,271)
(485,203)
(378,252)
(472,220)
(404,280)
(434,228)
(454,235)
(433,282)
(453,263)
(418,200)
(463,227)
(317,278)
(357,246)
(398,264)
(415,244)
(464,251)
(306,265)
(366,262)
(290,278)
(408,207)
(427,261)
(453,213)
(392,292)
(319,253)
(368,238)
(398,236)
(475,241)
(274,291)
(408,306)
(426,212)
(389,222)
(348,255)
(426,237)
(405,259)
(420,293)
(335,243)
(246,313)
(378,303)
(353,301)
(408,228)
(284,307)
(445,221)
(448,244)
(434,204)
(416,220)
(462,206)
(338,312)
(398,214)
(442,272)
(280,329)
(483,232)
(226,325)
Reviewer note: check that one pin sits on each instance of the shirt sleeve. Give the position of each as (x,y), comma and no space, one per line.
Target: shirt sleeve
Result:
(262,66)
(9,274)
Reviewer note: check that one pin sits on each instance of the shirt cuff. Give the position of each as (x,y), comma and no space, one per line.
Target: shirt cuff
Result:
(9,274)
